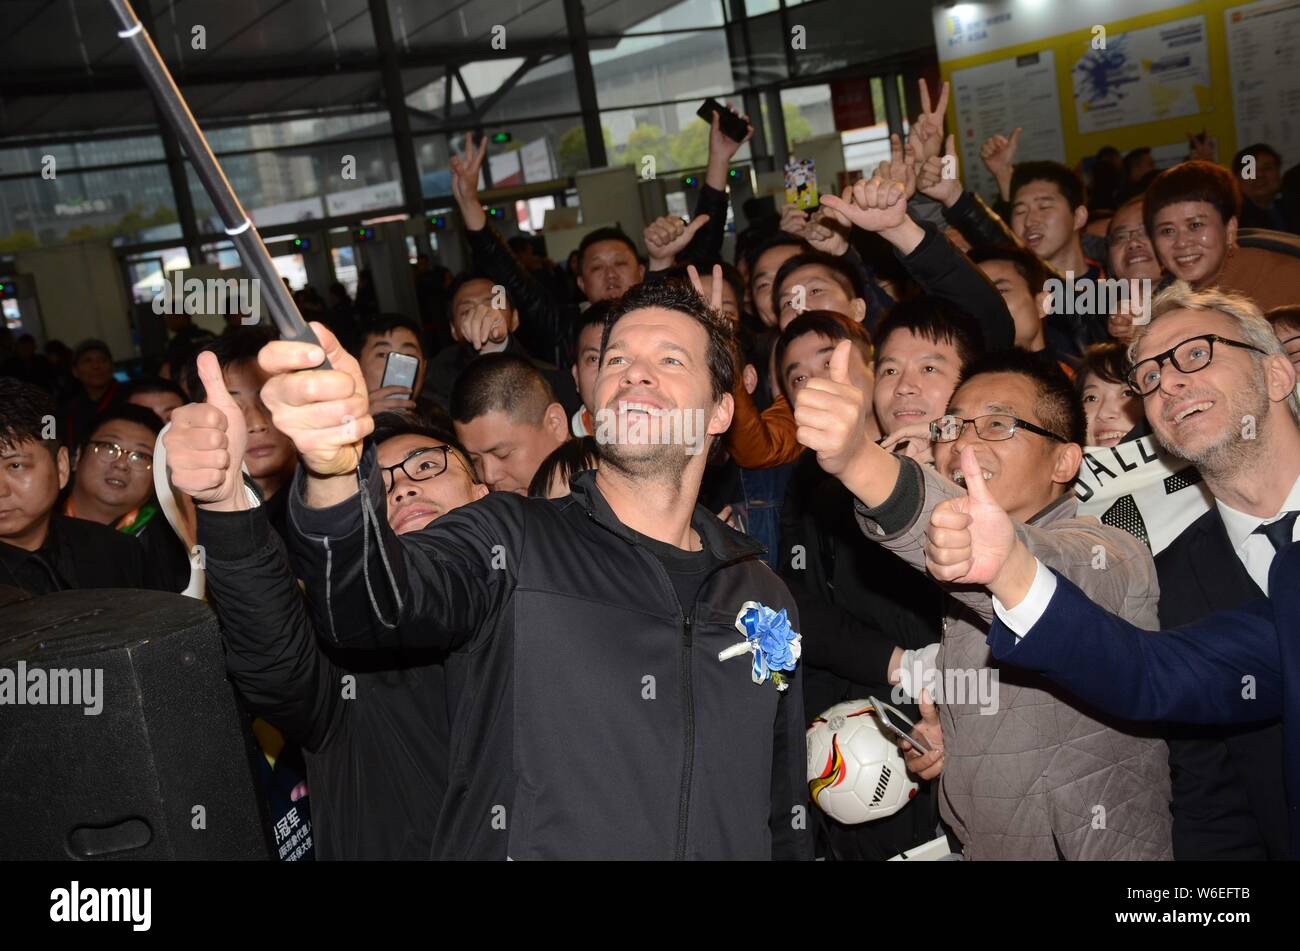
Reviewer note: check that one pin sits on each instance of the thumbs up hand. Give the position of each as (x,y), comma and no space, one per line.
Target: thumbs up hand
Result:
(928,729)
(830,413)
(971,539)
(205,443)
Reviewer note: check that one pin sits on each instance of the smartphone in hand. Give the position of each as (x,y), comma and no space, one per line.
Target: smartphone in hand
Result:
(399,370)
(896,725)
(732,126)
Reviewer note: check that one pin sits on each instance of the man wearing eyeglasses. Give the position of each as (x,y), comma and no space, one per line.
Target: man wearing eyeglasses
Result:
(1024,772)
(113,485)
(1219,391)
(42,551)
(375,726)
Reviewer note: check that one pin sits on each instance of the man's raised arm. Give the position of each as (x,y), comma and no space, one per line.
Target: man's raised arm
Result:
(439,587)
(1224,669)
(830,417)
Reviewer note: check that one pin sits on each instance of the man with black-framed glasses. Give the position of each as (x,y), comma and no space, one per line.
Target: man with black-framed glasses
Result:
(1025,772)
(1219,391)
(425,475)
(374,726)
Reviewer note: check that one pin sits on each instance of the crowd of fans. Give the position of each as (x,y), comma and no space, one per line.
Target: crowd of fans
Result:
(1078,312)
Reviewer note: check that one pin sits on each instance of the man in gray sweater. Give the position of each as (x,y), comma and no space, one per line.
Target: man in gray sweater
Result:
(1025,772)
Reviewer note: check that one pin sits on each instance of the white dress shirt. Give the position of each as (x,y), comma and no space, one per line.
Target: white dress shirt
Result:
(1027,613)
(1255,551)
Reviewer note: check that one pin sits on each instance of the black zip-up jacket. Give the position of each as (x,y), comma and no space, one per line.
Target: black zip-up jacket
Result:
(545,323)
(78,553)
(945,274)
(592,716)
(373,728)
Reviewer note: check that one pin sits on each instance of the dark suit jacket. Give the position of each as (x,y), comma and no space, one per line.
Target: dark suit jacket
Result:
(1228,802)
(1238,667)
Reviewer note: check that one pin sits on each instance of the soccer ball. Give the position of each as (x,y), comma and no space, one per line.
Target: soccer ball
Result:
(855,771)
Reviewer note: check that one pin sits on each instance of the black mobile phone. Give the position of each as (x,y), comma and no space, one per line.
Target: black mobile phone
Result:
(732,126)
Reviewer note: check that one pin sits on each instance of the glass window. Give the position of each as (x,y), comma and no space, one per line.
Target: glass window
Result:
(69,156)
(306,184)
(546,89)
(345,267)
(807,111)
(420,23)
(646,69)
(128,205)
(621,17)
(265,135)
(769,50)
(426,91)
(672,134)
(149,270)
(756,8)
(537,152)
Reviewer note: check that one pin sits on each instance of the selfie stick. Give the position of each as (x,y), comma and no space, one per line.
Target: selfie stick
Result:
(237,224)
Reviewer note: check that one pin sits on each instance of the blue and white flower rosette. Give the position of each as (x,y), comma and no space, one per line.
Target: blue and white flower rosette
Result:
(769,637)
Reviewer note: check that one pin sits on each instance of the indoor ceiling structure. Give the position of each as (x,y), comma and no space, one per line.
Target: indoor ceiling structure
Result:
(66,71)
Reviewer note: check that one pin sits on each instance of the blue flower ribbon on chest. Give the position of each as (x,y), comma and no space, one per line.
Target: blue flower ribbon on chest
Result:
(775,646)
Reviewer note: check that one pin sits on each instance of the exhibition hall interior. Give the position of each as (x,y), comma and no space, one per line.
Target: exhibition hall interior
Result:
(748,430)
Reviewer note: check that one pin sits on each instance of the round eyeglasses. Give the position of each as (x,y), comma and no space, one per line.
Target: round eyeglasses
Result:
(111,452)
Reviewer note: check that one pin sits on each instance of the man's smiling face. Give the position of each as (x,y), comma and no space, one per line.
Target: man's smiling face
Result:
(1041,216)
(915,377)
(656,364)
(1020,471)
(1199,416)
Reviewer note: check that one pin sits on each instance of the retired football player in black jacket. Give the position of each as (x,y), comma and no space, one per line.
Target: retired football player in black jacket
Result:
(595,718)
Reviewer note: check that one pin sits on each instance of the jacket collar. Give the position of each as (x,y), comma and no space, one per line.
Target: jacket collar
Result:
(1062,507)
(719,539)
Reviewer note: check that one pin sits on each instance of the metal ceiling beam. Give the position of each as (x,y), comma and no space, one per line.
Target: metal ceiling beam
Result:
(395,97)
(176,173)
(508,84)
(124,79)
(464,90)
(576,27)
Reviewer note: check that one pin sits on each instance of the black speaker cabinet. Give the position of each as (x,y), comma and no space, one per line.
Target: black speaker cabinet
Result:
(119,734)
